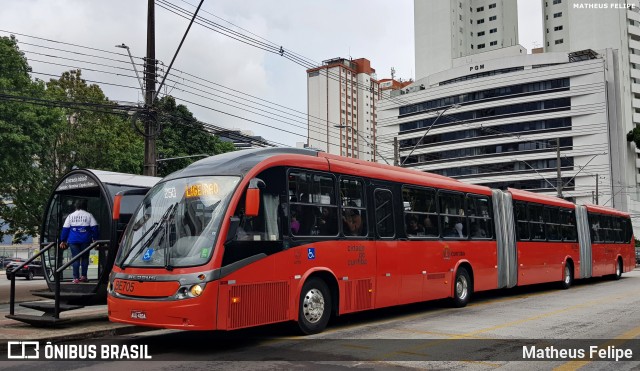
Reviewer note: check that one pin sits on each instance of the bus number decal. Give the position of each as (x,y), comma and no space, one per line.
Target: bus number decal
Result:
(124,286)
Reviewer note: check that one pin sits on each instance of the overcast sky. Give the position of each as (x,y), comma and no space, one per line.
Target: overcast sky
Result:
(381,31)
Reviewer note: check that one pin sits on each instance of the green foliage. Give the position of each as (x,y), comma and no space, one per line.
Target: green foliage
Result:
(634,136)
(94,138)
(41,141)
(183,135)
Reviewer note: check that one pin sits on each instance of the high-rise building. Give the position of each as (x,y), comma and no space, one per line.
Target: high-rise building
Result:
(499,118)
(342,96)
(446,30)
(574,25)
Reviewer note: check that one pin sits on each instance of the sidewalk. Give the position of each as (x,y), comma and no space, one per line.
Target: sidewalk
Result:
(85,323)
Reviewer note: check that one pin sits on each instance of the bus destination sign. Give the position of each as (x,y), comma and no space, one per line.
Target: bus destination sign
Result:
(76,182)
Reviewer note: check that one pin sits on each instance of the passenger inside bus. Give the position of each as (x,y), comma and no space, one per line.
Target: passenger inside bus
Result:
(430,229)
(352,222)
(327,225)
(413,228)
(477,231)
(295,224)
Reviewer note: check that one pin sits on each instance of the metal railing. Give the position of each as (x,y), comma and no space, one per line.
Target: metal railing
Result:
(12,297)
(57,272)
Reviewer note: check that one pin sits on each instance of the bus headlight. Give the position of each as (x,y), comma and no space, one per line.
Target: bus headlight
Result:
(109,287)
(196,290)
(193,291)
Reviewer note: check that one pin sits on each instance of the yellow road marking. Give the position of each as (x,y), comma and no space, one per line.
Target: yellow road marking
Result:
(619,340)
(438,333)
(432,343)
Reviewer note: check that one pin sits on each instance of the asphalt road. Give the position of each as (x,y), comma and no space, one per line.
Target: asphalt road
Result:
(489,333)
(23,288)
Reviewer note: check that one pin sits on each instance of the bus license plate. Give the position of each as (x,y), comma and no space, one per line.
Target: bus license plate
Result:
(138,314)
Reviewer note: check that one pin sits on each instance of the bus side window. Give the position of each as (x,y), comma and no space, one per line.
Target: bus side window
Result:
(522,229)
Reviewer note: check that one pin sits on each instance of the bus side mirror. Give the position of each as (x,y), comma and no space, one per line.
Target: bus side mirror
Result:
(252,200)
(117,200)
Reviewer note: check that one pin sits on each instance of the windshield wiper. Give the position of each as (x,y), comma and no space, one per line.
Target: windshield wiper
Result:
(167,252)
(155,228)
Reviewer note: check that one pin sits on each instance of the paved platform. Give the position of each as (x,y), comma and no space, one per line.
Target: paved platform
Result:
(84,323)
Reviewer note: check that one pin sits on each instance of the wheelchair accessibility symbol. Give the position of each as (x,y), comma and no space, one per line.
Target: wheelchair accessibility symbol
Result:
(311,253)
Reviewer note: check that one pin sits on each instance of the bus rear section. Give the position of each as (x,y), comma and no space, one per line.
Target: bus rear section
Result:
(612,242)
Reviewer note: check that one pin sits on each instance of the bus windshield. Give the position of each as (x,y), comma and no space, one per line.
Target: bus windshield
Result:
(177,223)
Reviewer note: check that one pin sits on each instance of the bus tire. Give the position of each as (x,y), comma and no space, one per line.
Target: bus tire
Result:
(619,268)
(567,276)
(462,288)
(314,306)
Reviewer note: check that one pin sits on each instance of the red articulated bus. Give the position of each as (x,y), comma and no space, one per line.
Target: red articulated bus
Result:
(262,236)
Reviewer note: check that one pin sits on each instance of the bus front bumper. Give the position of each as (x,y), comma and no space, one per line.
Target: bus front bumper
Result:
(198,313)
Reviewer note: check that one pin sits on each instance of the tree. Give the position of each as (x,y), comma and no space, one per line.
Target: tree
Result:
(92,137)
(41,141)
(182,135)
(24,130)
(634,136)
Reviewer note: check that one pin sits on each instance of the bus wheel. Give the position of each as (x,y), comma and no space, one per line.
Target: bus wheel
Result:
(315,306)
(567,279)
(463,288)
(618,270)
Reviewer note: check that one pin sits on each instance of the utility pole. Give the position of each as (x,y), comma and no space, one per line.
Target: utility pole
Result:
(395,151)
(559,175)
(597,177)
(150,90)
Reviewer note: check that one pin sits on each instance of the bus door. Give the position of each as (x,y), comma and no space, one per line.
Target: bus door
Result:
(388,257)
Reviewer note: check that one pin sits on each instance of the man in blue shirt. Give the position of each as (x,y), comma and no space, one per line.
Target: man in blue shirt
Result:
(79,230)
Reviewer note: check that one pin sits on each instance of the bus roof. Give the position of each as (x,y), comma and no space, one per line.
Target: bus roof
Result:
(605,210)
(519,194)
(395,173)
(236,163)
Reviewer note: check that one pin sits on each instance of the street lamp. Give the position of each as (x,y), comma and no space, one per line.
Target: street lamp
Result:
(453,106)
(123,46)
(375,149)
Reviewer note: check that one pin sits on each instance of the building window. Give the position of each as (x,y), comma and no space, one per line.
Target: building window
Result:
(557,28)
(471,46)
(480,21)
(492,6)
(493,43)
(480,9)
(557,15)
(559,41)
(460,16)
(557,2)
(493,30)
(547,30)
(493,18)
(481,33)
(480,46)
